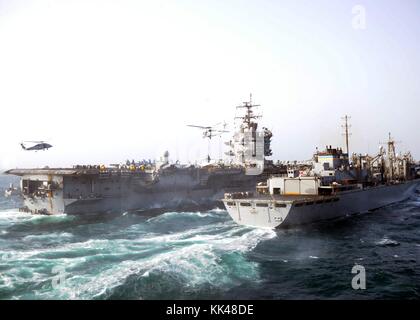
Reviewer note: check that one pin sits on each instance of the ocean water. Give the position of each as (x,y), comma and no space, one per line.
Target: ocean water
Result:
(205,255)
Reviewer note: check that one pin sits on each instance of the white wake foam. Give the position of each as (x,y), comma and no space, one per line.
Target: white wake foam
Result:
(14,216)
(178,215)
(194,255)
(387,242)
(198,262)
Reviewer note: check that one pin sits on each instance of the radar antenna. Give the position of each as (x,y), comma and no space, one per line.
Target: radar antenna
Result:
(249,114)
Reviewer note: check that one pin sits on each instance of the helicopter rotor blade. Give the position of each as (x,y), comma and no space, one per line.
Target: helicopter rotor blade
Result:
(201,127)
(221,131)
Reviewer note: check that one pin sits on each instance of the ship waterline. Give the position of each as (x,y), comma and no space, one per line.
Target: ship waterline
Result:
(287,211)
(336,185)
(49,191)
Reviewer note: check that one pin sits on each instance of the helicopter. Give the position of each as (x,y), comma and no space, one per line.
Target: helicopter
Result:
(39,145)
(210,131)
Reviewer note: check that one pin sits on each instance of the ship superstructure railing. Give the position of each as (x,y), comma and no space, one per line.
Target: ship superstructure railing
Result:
(239,195)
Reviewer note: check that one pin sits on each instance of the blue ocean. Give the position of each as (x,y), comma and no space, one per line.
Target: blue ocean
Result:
(205,255)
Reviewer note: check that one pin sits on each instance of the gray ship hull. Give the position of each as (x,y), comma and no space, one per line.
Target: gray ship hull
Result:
(292,211)
(67,191)
(142,201)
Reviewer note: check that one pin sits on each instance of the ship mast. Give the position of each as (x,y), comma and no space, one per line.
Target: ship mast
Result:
(249,114)
(391,156)
(346,133)
(249,146)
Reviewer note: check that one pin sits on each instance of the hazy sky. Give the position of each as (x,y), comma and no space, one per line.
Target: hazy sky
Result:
(104,81)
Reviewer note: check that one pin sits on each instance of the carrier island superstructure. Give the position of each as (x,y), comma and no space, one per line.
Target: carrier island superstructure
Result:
(148,185)
(332,186)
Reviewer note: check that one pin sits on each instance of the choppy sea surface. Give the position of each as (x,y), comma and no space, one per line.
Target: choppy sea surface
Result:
(205,255)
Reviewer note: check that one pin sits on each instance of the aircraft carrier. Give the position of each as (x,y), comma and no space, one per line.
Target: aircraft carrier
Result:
(149,185)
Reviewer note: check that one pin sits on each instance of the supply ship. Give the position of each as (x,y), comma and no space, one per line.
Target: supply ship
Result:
(334,185)
(148,185)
